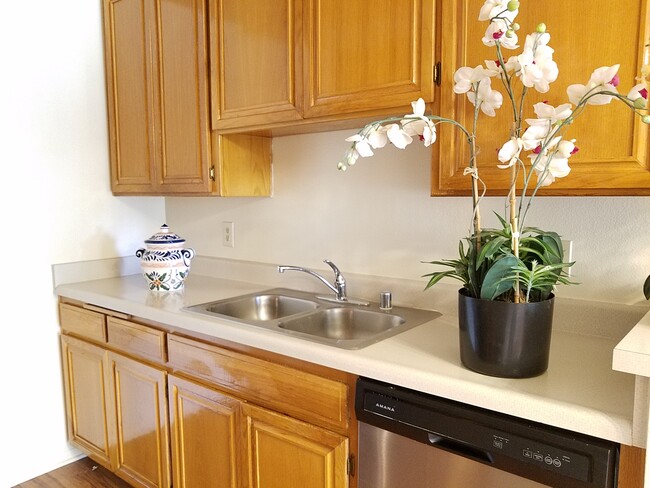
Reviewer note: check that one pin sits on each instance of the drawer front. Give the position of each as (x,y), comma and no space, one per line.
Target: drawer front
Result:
(83,323)
(139,339)
(305,396)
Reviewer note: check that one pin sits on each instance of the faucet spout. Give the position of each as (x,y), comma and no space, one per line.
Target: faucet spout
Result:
(282,269)
(338,287)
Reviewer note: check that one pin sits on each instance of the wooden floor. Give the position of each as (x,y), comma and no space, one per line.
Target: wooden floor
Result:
(84,473)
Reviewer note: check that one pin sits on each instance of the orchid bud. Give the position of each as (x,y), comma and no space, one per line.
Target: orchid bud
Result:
(639,102)
(342,166)
(541,28)
(510,33)
(513,5)
(645,119)
(515,26)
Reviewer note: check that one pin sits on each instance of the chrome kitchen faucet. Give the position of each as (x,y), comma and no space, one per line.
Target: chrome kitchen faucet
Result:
(339,287)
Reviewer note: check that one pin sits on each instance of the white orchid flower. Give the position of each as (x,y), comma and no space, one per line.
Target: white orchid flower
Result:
(535,134)
(465,77)
(377,138)
(639,95)
(547,111)
(398,137)
(509,152)
(566,148)
(602,79)
(554,161)
(488,99)
(361,145)
(557,168)
(536,67)
(418,124)
(549,167)
(493,8)
(496,31)
(493,67)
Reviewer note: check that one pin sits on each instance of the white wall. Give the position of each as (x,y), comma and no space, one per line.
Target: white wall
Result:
(56,207)
(378,218)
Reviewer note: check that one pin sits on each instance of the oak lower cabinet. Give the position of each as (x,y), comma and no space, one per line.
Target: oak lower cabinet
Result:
(283,452)
(218,440)
(141,422)
(90,422)
(207,439)
(160,409)
(117,412)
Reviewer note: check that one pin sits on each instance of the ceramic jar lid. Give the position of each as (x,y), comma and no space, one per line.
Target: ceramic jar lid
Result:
(164,236)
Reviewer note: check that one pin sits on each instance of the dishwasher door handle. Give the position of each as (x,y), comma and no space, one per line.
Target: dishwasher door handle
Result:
(459,447)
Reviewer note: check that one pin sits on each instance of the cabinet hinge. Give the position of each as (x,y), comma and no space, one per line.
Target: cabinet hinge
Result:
(351,466)
(437,75)
(212,177)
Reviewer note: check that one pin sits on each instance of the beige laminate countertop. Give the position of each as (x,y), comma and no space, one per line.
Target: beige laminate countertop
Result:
(579,392)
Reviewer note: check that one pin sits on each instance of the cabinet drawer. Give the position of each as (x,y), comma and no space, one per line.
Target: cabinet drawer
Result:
(136,338)
(82,322)
(301,395)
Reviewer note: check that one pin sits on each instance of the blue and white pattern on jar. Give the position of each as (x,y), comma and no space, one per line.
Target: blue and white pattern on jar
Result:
(165,263)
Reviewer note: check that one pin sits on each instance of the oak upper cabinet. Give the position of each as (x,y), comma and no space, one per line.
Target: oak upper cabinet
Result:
(613,157)
(206,436)
(361,56)
(159,103)
(255,62)
(283,452)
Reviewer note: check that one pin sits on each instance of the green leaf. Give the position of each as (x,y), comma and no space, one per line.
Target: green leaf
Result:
(504,224)
(646,288)
(553,244)
(499,278)
(490,248)
(437,276)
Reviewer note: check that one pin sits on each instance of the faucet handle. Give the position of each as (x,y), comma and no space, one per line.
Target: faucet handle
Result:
(337,271)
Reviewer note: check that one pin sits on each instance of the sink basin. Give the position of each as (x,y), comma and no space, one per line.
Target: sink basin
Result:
(343,323)
(260,308)
(304,315)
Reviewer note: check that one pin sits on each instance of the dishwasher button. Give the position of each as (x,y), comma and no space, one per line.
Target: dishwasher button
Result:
(557,463)
(548,460)
(528,453)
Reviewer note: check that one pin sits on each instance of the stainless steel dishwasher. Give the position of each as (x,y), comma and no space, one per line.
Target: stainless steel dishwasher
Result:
(409,439)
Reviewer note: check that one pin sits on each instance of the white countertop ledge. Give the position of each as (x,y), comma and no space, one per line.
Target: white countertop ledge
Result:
(632,354)
(579,392)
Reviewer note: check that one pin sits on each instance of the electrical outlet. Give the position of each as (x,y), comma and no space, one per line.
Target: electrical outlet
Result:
(567,246)
(228,234)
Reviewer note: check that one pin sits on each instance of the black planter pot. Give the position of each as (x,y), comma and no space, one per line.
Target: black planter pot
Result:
(509,340)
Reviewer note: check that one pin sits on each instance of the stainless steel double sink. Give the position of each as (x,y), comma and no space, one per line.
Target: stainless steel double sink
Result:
(307,316)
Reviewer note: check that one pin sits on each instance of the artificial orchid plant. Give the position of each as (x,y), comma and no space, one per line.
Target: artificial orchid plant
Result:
(514,263)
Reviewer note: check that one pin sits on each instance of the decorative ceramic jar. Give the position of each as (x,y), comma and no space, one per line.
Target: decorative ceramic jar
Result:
(165,263)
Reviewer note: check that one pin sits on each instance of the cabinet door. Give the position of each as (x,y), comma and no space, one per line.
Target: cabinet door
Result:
(91,423)
(205,436)
(613,157)
(182,87)
(255,62)
(364,55)
(286,453)
(142,432)
(130,68)
(157,82)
